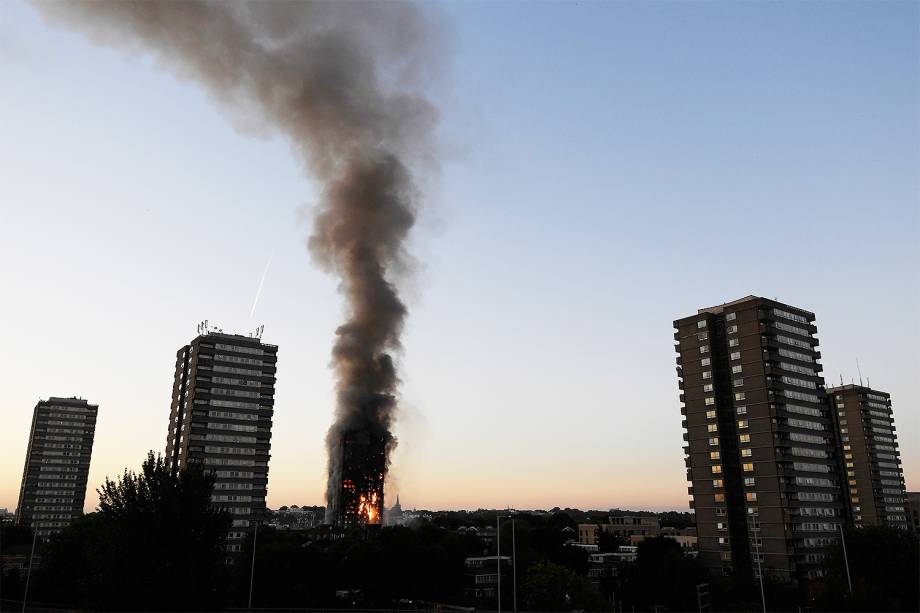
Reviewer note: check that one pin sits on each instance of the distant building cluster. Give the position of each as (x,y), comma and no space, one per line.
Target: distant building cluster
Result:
(778,463)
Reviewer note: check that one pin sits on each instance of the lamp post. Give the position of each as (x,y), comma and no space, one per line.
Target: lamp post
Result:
(846,561)
(25,593)
(252,568)
(498,561)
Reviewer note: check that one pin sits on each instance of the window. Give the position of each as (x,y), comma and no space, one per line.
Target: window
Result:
(747,467)
(745,438)
(711,414)
(745,453)
(716,469)
(733,342)
(714,455)
(736,369)
(723,540)
(732,329)
(707,374)
(751,496)
(749,481)
(702,336)
(736,355)
(730,316)
(704,362)
(704,348)
(719,498)
(721,525)
(740,396)
(714,441)
(742,423)
(707,387)
(712,428)
(710,401)
(738,382)
(742,410)
(717,483)
(701,324)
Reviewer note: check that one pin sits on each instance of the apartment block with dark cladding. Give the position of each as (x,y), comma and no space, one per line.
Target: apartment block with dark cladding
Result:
(53,487)
(869,446)
(221,419)
(761,450)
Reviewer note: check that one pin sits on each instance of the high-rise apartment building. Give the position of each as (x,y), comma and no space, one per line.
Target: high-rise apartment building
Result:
(872,461)
(57,464)
(761,449)
(221,418)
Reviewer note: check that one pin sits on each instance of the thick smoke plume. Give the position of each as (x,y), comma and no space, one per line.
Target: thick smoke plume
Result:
(341,80)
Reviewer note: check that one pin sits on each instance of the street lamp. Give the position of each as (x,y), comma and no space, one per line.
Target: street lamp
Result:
(498,561)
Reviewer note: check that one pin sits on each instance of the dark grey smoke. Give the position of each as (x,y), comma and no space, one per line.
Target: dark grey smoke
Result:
(341,80)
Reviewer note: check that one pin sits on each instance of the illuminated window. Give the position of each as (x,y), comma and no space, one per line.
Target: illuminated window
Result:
(736,369)
(711,414)
(745,453)
(701,323)
(707,374)
(719,498)
(717,483)
(751,496)
(710,401)
(745,438)
(732,329)
(740,396)
(734,342)
(716,469)
(705,362)
(714,441)
(714,455)
(742,423)
(707,387)
(712,427)
(741,410)
(749,481)
(747,467)
(736,355)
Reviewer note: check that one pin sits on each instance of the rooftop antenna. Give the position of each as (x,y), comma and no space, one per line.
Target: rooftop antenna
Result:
(867,381)
(860,372)
(841,380)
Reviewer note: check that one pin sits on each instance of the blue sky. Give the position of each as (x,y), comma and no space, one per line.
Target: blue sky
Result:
(607,168)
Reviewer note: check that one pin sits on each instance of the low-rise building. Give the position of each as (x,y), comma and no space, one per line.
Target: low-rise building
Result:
(624,526)
(482,575)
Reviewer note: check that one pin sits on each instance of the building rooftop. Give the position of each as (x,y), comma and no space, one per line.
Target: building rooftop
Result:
(721,307)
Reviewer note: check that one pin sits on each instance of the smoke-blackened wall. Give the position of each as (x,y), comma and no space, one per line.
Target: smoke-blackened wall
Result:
(341,79)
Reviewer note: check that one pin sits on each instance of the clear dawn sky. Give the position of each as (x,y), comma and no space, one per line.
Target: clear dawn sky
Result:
(608,168)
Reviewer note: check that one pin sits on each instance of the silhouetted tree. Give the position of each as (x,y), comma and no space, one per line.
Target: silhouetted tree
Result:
(155,543)
(663,575)
(884,568)
(551,587)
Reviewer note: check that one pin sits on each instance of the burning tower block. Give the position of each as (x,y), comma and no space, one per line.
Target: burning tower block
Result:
(360,496)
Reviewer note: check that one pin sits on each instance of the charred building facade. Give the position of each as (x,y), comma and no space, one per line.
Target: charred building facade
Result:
(57,464)
(872,460)
(221,420)
(359,500)
(761,447)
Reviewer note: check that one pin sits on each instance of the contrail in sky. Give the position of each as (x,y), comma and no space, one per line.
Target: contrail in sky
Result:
(261,283)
